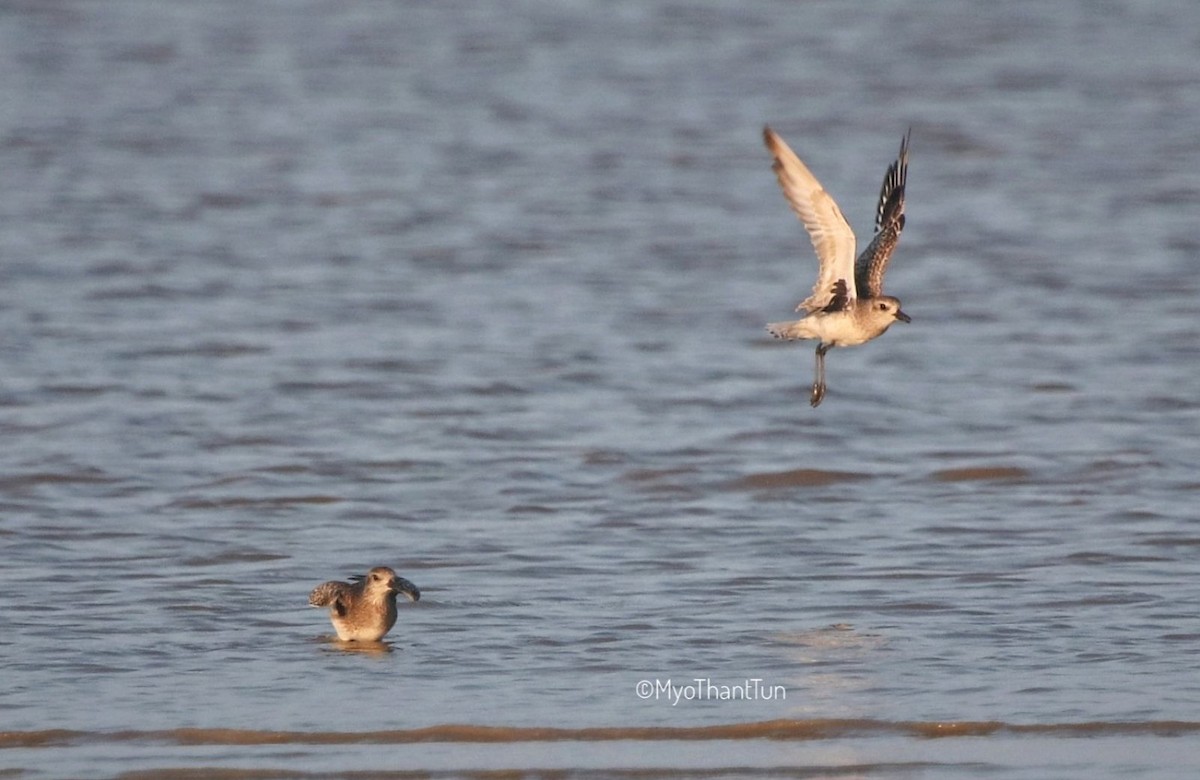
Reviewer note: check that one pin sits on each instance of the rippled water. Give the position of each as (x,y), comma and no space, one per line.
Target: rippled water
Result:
(477,291)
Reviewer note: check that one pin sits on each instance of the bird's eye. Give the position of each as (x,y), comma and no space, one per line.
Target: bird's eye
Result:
(883,307)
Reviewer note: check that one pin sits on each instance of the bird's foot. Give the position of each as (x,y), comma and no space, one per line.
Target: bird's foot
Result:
(818,394)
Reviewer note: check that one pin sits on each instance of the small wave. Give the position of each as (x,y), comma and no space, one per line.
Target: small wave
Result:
(781,730)
(240,502)
(770,480)
(84,476)
(980,473)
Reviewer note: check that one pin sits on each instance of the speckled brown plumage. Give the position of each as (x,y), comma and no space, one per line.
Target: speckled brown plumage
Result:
(365,609)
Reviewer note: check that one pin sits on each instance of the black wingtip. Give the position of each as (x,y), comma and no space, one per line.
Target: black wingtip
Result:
(769,136)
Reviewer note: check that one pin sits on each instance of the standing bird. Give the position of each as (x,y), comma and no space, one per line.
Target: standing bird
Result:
(847,306)
(365,610)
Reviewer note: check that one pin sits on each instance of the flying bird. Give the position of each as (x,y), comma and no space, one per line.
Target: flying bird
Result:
(847,306)
(364,609)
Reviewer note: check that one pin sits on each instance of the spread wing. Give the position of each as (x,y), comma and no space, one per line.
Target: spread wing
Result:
(335,595)
(889,222)
(831,236)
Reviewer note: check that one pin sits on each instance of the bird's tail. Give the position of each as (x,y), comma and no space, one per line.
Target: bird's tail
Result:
(791,330)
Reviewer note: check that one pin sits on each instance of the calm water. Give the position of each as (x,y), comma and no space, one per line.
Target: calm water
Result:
(476,290)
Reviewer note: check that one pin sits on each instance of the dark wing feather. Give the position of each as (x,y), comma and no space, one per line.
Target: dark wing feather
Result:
(871,265)
(840,296)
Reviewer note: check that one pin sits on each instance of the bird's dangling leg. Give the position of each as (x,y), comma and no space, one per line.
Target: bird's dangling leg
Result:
(818,388)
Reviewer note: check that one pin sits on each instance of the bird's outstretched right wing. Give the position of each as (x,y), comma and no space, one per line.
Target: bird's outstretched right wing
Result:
(831,235)
(333,594)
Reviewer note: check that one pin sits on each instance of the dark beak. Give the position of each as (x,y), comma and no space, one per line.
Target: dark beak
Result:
(401,585)
(902,316)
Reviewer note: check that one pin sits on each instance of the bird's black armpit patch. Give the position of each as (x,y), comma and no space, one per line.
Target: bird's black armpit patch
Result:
(841,297)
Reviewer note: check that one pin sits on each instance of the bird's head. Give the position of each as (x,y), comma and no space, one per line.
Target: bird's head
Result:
(385,579)
(887,305)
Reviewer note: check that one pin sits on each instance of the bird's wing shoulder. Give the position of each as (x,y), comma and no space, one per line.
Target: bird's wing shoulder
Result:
(333,594)
(871,265)
(831,235)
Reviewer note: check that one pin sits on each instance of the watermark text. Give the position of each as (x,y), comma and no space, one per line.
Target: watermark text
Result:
(706,689)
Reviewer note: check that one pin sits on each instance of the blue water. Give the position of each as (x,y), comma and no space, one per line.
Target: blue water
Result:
(477,291)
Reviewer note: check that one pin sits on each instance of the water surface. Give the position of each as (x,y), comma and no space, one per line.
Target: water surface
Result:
(477,291)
